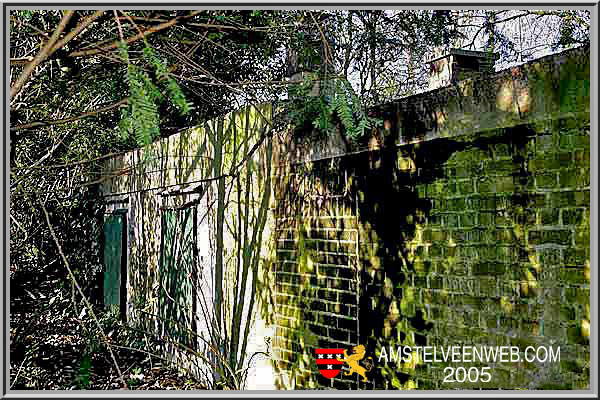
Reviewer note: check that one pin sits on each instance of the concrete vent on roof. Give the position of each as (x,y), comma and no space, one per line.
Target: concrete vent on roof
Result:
(456,64)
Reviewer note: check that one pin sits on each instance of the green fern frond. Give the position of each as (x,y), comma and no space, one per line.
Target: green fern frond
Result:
(175,93)
(141,118)
(319,111)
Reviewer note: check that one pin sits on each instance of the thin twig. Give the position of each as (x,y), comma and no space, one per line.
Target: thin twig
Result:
(18,372)
(109,155)
(326,48)
(120,27)
(78,29)
(40,124)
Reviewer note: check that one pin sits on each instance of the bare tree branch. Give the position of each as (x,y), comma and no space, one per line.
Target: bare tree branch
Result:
(78,29)
(41,56)
(132,39)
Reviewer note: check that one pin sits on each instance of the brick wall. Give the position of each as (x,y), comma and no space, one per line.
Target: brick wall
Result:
(463,220)
(479,243)
(466,223)
(316,274)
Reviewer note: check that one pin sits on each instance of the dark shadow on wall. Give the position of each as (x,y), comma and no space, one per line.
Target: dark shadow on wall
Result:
(315,272)
(390,209)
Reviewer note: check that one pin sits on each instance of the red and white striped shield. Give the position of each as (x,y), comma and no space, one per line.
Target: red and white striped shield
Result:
(328,363)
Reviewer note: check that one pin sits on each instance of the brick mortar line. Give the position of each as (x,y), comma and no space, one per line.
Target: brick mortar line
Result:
(316,217)
(324,337)
(315,298)
(320,240)
(318,229)
(329,253)
(321,264)
(327,313)
(341,291)
(304,275)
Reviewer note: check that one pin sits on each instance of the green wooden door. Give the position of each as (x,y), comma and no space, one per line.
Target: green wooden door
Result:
(177,275)
(113,258)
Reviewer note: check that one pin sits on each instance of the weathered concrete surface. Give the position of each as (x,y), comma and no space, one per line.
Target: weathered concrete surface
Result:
(176,177)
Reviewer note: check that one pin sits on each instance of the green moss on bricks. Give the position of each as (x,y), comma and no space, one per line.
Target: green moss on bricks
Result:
(486,218)
(505,184)
(573,275)
(438,236)
(582,198)
(568,178)
(550,256)
(505,236)
(467,219)
(548,216)
(568,142)
(582,157)
(573,216)
(422,268)
(561,199)
(575,335)
(545,162)
(574,366)
(546,180)
(569,124)
(500,167)
(467,156)
(576,256)
(462,171)
(486,185)
(582,179)
(487,253)
(435,251)
(582,236)
(488,268)
(465,187)
(550,236)
(578,295)
(490,237)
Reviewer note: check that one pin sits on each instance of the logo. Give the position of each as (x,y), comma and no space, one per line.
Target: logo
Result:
(358,353)
(330,362)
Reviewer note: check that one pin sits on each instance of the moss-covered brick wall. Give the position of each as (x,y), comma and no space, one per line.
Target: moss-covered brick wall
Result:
(482,242)
(455,225)
(316,274)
